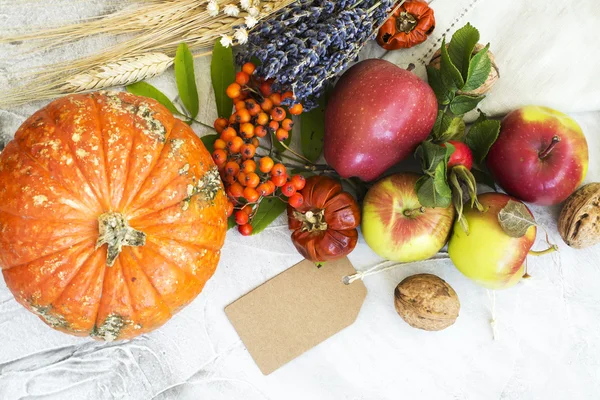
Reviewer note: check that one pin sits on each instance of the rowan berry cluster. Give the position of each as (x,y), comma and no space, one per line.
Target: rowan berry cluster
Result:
(248,175)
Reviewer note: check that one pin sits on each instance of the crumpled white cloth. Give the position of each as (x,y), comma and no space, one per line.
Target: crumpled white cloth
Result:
(548,327)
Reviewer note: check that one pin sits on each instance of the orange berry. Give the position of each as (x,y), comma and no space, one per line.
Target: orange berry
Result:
(245,230)
(243,116)
(252,107)
(241,217)
(220,144)
(272,187)
(275,98)
(278,170)
(287,95)
(266,105)
(252,180)
(228,134)
(260,131)
(235,144)
(234,90)
(242,78)
(246,130)
(251,194)
(279,181)
(263,189)
(278,114)
(219,156)
(233,118)
(288,189)
(232,168)
(235,190)
(240,105)
(296,200)
(220,124)
(255,142)
(296,109)
(265,164)
(287,124)
(249,68)
(229,179)
(265,87)
(247,209)
(282,134)
(229,209)
(262,118)
(248,151)
(298,181)
(242,178)
(274,125)
(248,166)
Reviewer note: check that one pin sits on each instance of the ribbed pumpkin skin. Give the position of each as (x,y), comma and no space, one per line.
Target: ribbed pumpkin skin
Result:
(83,156)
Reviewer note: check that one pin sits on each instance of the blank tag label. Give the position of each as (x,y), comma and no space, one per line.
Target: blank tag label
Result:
(295,311)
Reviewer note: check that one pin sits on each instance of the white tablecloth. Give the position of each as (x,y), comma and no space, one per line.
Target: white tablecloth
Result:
(548,344)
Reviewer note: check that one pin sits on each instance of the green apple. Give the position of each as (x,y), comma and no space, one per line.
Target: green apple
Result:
(487,255)
(397,227)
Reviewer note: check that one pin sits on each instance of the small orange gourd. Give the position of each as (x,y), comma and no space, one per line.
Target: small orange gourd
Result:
(112,215)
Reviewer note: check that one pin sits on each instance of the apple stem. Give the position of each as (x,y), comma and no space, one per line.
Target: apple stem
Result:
(549,250)
(414,212)
(410,67)
(545,153)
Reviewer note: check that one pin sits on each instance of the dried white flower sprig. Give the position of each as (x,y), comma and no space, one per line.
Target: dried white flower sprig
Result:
(155,30)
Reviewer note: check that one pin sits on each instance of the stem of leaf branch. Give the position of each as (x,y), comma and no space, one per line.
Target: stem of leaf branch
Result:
(285,146)
(549,250)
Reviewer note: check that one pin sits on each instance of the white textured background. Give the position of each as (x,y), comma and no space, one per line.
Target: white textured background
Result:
(549,326)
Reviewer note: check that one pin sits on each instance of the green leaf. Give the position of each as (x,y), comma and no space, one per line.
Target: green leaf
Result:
(313,131)
(463,104)
(209,141)
(425,188)
(457,199)
(481,137)
(231,222)
(515,219)
(269,209)
(441,184)
(222,73)
(467,177)
(461,47)
(454,131)
(186,79)
(451,76)
(484,177)
(479,70)
(431,155)
(147,90)
(434,78)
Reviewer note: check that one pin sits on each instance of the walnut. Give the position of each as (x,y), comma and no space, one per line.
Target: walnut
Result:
(426,302)
(493,77)
(579,221)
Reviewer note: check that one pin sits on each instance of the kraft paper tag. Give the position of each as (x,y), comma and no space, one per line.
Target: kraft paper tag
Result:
(295,311)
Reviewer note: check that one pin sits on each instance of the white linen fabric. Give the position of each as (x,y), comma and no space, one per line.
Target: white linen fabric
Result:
(548,344)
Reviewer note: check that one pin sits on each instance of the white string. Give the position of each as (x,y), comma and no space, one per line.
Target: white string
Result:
(360,275)
(492,298)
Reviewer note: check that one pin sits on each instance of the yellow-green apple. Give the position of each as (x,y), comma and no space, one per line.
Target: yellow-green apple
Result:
(488,255)
(376,116)
(397,227)
(541,155)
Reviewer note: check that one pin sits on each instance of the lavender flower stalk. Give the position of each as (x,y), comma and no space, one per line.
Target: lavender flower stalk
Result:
(311,41)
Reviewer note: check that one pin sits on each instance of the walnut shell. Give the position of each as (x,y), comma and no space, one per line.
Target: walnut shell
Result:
(579,221)
(493,77)
(426,302)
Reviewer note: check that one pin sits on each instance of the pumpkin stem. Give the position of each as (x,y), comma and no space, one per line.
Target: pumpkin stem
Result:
(406,22)
(312,220)
(116,233)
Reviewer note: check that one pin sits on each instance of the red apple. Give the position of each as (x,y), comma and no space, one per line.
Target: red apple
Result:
(462,155)
(376,116)
(541,155)
(397,227)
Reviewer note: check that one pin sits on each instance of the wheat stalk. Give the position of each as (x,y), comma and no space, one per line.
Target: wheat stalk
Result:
(121,73)
(147,54)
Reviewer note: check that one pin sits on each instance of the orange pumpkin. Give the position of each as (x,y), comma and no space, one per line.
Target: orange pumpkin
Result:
(112,215)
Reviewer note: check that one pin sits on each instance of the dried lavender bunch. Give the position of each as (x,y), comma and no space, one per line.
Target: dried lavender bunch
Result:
(311,41)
